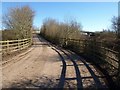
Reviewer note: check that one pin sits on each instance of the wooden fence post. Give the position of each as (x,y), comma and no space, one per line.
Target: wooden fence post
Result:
(18,45)
(7,46)
(23,43)
(79,45)
(31,41)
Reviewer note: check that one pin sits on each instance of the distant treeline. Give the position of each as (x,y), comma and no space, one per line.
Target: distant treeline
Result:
(54,30)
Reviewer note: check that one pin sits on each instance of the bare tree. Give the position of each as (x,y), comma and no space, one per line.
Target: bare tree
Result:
(116,28)
(116,25)
(19,19)
(54,30)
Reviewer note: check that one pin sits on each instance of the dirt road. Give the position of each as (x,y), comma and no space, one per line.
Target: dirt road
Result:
(46,66)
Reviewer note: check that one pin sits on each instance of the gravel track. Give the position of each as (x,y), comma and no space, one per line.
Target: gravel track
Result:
(47,66)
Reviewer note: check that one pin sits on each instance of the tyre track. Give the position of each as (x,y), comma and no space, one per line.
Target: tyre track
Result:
(62,78)
(96,79)
(63,72)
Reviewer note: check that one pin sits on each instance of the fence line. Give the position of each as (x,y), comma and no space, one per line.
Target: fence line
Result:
(95,49)
(14,45)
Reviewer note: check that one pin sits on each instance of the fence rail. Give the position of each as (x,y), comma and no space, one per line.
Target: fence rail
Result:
(14,45)
(94,49)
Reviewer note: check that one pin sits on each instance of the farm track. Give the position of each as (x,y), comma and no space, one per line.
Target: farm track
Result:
(46,65)
(76,69)
(75,64)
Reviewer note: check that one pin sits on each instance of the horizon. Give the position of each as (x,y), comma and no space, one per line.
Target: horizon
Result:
(93,16)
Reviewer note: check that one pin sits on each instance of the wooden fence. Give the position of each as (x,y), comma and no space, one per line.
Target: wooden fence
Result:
(101,54)
(14,45)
